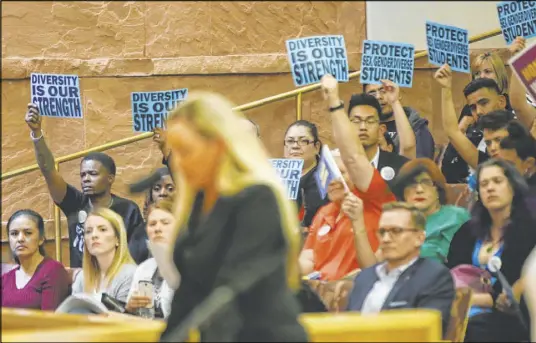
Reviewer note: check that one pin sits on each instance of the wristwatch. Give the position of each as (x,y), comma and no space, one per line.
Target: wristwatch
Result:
(340,107)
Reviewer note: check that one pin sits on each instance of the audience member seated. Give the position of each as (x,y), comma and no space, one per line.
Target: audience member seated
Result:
(38,282)
(501,225)
(519,148)
(329,248)
(302,142)
(404,280)
(97,174)
(425,144)
(529,278)
(483,96)
(107,267)
(162,189)
(160,226)
(421,183)
(357,135)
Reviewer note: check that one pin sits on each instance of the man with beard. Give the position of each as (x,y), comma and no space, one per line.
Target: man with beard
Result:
(424,141)
(97,174)
(483,96)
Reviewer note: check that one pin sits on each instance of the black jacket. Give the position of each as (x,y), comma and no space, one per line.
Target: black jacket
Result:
(389,165)
(425,284)
(238,240)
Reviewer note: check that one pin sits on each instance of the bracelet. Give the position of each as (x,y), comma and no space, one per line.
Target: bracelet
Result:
(36,139)
(340,107)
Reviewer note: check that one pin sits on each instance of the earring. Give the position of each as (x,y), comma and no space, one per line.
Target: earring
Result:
(116,244)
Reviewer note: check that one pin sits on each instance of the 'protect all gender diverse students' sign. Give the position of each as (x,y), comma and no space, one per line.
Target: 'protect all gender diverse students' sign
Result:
(56,95)
(524,65)
(150,109)
(289,171)
(517,18)
(387,61)
(312,57)
(448,44)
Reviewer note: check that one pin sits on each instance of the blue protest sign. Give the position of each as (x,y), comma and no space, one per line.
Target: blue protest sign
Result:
(326,171)
(448,44)
(312,57)
(517,18)
(150,109)
(289,170)
(56,95)
(387,60)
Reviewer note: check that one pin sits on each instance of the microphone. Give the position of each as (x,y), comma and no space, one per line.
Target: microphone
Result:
(146,183)
(494,266)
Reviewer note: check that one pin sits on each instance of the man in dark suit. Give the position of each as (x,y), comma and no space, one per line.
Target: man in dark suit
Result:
(403,279)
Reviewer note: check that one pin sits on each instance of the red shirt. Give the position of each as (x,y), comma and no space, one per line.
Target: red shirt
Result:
(332,241)
(47,288)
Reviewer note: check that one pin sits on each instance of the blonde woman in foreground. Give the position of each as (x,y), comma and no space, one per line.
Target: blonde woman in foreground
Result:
(237,231)
(107,266)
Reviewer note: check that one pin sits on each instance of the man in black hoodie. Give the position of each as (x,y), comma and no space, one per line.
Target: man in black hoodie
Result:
(425,141)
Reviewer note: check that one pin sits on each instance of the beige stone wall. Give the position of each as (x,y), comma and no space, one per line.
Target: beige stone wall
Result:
(235,48)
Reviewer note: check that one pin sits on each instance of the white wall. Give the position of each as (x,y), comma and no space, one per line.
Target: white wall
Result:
(404,21)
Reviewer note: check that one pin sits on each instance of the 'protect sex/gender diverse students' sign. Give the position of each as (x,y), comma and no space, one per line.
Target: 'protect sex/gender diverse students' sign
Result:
(289,170)
(448,44)
(517,18)
(150,109)
(312,57)
(56,95)
(387,60)
(524,65)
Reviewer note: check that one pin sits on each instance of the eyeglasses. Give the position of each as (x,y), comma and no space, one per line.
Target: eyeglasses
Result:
(394,231)
(423,182)
(368,122)
(301,142)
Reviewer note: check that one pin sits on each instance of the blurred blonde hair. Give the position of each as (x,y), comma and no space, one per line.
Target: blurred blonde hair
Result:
(244,164)
(498,67)
(90,266)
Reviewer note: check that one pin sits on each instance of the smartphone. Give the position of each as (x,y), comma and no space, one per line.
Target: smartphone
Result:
(146,289)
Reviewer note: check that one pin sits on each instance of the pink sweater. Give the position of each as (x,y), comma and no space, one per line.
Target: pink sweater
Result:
(47,288)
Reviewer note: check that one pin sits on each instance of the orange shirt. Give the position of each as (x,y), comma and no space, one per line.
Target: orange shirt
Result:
(332,241)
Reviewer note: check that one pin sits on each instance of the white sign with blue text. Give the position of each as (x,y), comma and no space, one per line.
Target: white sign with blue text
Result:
(448,44)
(387,61)
(150,109)
(326,171)
(56,95)
(312,57)
(289,171)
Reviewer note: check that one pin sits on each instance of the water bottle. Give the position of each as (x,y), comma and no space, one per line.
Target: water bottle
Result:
(146,288)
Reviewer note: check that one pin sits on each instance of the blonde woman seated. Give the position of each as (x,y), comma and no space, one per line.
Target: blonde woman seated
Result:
(107,266)
(160,226)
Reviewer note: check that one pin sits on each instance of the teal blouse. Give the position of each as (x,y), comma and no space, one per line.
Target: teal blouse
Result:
(440,228)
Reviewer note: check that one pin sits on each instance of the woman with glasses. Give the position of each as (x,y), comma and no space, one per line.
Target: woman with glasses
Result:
(302,142)
(421,184)
(502,226)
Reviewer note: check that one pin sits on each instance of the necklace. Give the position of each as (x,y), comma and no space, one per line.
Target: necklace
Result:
(489,249)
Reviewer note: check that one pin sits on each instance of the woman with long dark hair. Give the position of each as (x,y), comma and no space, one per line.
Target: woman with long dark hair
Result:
(302,142)
(38,282)
(502,225)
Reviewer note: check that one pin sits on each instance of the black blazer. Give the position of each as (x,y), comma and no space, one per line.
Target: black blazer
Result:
(241,237)
(425,284)
(390,160)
